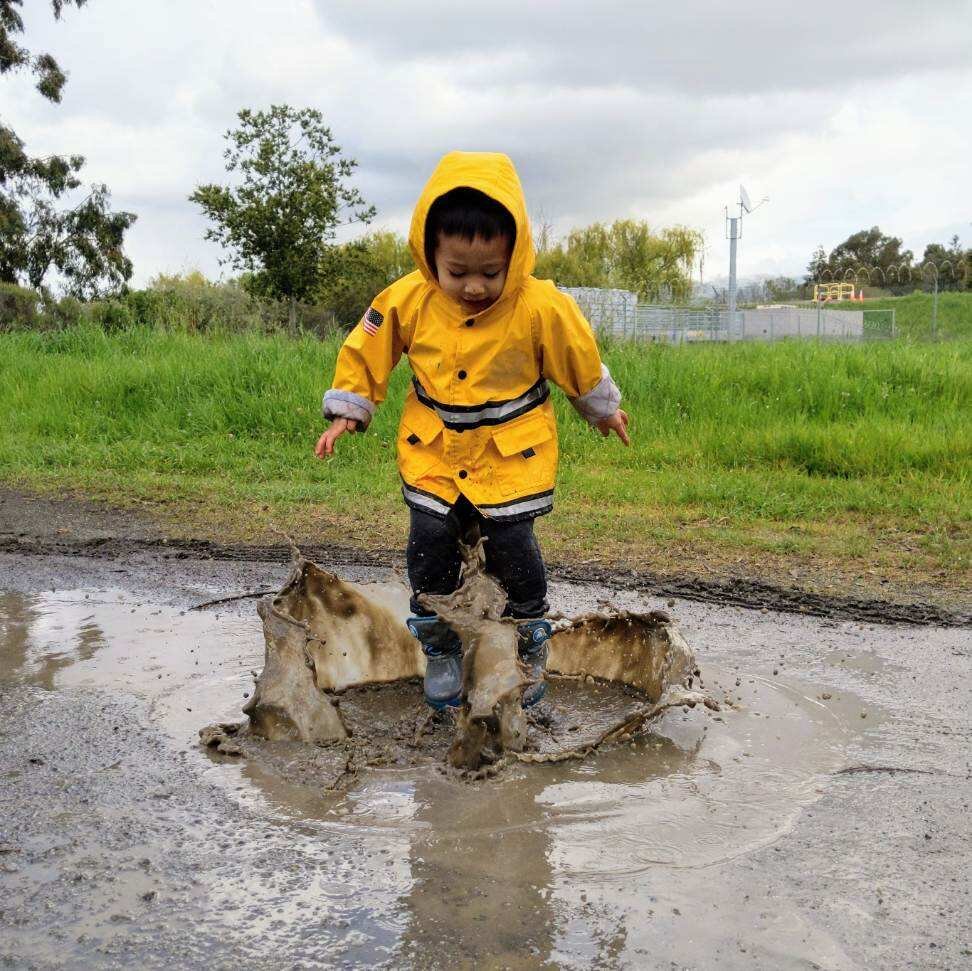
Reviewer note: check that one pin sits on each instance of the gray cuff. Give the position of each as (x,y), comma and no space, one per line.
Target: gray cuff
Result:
(347,404)
(601,401)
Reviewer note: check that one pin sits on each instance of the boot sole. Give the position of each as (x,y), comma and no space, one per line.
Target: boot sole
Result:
(455,702)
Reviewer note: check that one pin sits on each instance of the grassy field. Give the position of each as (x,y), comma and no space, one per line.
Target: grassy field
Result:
(913,314)
(795,458)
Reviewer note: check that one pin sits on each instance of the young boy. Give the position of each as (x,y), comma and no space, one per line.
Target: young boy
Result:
(478,438)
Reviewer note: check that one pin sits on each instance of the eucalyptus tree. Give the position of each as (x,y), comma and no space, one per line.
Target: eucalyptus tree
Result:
(83,242)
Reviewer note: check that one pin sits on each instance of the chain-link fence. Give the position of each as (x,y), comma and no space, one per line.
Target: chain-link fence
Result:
(619,314)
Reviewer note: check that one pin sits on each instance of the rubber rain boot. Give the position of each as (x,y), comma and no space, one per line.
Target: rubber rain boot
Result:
(532,647)
(443,660)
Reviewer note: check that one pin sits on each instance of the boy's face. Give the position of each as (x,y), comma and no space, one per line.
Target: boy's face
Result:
(472,272)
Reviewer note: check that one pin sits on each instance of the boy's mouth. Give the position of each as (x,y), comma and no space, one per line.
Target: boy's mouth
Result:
(478,304)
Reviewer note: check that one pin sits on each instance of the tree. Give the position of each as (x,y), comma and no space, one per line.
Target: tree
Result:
(817,267)
(952,263)
(870,248)
(781,288)
(868,256)
(582,260)
(774,289)
(628,255)
(279,222)
(83,243)
(543,235)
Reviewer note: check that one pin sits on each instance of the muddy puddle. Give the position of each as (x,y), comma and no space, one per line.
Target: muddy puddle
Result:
(528,867)
(699,786)
(394,729)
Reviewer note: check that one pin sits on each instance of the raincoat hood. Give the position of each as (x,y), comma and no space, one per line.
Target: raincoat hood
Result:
(493,174)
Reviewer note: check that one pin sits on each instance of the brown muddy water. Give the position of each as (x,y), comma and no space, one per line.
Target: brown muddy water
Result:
(125,842)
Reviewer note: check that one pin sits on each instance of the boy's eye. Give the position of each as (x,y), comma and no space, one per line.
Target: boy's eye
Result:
(459,274)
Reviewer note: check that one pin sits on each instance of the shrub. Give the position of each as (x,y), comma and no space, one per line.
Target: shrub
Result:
(19,307)
(190,302)
(66,312)
(113,316)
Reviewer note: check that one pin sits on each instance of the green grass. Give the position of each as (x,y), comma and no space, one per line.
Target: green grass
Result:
(913,313)
(790,450)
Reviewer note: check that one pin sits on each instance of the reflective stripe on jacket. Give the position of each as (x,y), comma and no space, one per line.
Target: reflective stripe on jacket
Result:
(478,418)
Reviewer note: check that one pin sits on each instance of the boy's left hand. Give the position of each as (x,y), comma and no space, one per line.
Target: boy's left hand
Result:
(618,422)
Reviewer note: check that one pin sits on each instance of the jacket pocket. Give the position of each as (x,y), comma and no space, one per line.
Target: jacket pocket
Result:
(522,434)
(419,443)
(525,456)
(423,423)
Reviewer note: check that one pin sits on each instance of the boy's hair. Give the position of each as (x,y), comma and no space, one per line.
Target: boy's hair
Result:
(467,213)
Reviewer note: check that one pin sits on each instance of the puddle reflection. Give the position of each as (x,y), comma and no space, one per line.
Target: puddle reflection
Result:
(37,643)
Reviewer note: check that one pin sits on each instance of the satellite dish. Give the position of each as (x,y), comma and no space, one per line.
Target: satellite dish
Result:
(744,199)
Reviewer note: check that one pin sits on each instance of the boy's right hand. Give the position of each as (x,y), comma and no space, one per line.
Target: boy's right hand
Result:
(325,444)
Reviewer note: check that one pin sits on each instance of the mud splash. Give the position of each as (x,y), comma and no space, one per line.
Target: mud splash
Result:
(324,636)
(492,720)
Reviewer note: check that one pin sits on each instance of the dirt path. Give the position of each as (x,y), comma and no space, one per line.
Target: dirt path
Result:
(70,527)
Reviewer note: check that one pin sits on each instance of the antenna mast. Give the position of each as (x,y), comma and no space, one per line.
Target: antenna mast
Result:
(734,234)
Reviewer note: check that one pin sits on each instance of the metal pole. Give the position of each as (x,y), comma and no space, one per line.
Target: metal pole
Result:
(935,310)
(893,334)
(733,237)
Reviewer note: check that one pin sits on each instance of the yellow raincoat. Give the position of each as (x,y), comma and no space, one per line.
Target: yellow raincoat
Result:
(478,419)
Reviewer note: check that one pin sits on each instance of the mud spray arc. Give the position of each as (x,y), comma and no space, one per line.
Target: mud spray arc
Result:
(324,636)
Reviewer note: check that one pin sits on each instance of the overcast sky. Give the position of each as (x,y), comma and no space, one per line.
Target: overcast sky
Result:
(846,115)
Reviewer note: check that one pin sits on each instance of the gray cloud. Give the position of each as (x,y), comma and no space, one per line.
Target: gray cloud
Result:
(845,115)
(694,46)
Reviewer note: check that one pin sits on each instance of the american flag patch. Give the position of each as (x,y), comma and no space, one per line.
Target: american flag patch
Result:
(371,321)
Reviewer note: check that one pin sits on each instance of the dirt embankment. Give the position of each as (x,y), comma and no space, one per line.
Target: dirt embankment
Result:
(44,526)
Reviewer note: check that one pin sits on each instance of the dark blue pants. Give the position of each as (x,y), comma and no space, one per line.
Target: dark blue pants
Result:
(512,557)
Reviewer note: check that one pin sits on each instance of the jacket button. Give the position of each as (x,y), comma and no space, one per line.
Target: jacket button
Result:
(463,474)
(469,323)
(461,375)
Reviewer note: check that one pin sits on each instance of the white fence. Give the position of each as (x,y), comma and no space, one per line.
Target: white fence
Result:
(775,323)
(618,313)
